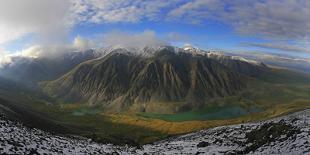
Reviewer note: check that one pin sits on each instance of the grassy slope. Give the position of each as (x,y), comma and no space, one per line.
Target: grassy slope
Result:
(86,121)
(207,113)
(173,128)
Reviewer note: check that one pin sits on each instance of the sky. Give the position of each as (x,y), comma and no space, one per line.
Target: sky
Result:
(31,27)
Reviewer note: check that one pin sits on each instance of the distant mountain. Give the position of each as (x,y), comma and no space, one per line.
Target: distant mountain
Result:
(238,64)
(241,65)
(164,79)
(283,61)
(32,70)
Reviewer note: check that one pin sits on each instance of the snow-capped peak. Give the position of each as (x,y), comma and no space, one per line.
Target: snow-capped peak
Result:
(149,51)
(193,50)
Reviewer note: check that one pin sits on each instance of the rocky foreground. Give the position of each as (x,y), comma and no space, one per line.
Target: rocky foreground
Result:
(284,135)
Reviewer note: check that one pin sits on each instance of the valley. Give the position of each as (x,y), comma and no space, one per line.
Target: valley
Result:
(281,135)
(155,77)
(264,93)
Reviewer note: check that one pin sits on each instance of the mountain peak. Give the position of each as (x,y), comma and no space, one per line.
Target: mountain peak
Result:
(193,50)
(188,47)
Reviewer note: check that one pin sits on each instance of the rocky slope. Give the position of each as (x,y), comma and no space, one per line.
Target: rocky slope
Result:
(141,81)
(284,135)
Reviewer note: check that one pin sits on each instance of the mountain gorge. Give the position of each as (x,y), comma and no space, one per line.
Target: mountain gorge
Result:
(165,79)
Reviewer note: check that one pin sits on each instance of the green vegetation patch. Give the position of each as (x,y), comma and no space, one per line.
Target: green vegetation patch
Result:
(87,121)
(208,113)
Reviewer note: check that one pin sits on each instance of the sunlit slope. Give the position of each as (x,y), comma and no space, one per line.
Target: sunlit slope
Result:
(181,127)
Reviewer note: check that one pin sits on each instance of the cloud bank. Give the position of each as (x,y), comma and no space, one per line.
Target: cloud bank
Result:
(46,51)
(147,38)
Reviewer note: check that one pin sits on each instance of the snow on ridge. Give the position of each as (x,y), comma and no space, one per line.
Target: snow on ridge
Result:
(18,139)
(245,60)
(147,51)
(216,54)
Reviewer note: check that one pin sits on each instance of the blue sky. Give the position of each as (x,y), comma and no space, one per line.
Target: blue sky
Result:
(280,27)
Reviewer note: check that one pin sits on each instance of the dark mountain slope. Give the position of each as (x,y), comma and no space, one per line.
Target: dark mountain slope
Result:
(168,80)
(15,101)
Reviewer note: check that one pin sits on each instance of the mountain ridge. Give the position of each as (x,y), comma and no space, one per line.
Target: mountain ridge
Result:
(122,81)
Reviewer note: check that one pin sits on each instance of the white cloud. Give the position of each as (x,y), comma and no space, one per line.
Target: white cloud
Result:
(82,43)
(46,51)
(111,11)
(19,18)
(36,51)
(280,46)
(52,19)
(126,39)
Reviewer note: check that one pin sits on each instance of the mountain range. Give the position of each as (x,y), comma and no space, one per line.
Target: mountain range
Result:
(163,79)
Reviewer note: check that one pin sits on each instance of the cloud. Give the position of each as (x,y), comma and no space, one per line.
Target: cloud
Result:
(147,38)
(20,18)
(47,51)
(111,11)
(126,39)
(280,46)
(196,11)
(52,20)
(177,37)
(142,39)
(82,43)
(284,19)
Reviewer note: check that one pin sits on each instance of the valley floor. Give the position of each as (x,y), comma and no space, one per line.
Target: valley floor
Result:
(283,135)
